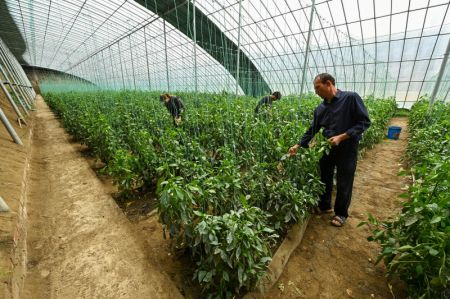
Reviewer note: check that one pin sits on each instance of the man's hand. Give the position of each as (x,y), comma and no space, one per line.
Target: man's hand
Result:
(335,140)
(178,120)
(293,150)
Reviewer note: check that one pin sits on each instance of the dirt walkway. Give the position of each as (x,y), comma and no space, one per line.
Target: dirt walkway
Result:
(338,262)
(80,245)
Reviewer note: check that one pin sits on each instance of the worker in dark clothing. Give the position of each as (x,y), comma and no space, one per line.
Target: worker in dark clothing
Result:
(174,105)
(344,118)
(267,101)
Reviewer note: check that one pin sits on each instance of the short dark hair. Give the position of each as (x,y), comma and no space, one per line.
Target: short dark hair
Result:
(163,96)
(277,94)
(324,77)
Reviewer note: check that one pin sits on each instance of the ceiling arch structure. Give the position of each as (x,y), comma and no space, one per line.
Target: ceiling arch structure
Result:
(381,48)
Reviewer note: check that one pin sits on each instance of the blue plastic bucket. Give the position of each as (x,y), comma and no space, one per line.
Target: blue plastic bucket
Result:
(393,132)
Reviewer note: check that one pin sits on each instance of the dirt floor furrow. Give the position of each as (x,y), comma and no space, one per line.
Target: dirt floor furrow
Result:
(80,244)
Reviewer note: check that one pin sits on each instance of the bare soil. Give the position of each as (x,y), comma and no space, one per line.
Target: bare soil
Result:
(80,244)
(336,262)
(13,161)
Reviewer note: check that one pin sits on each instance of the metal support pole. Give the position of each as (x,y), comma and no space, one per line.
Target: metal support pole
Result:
(26,97)
(12,80)
(121,67)
(22,104)
(165,51)
(195,50)
(441,73)
(105,72)
(239,48)
(23,79)
(32,92)
(100,76)
(10,129)
(446,95)
(15,76)
(6,72)
(17,67)
(146,59)
(112,68)
(3,206)
(132,63)
(305,64)
(11,101)
(85,76)
(23,93)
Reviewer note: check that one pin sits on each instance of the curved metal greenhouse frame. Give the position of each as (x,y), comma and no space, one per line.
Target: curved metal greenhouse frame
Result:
(382,48)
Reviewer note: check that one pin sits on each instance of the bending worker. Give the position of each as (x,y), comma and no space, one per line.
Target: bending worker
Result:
(267,101)
(174,105)
(344,118)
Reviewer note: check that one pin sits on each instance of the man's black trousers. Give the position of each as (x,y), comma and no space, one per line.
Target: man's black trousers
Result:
(343,157)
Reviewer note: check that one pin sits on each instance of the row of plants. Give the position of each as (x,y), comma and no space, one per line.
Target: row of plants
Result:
(226,189)
(378,110)
(415,246)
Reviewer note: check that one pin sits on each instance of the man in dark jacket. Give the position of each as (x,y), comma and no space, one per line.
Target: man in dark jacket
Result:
(267,101)
(344,118)
(174,105)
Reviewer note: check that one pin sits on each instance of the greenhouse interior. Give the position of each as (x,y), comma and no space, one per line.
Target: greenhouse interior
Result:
(225,149)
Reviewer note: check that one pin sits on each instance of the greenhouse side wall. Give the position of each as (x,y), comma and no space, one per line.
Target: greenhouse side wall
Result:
(14,163)
(16,103)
